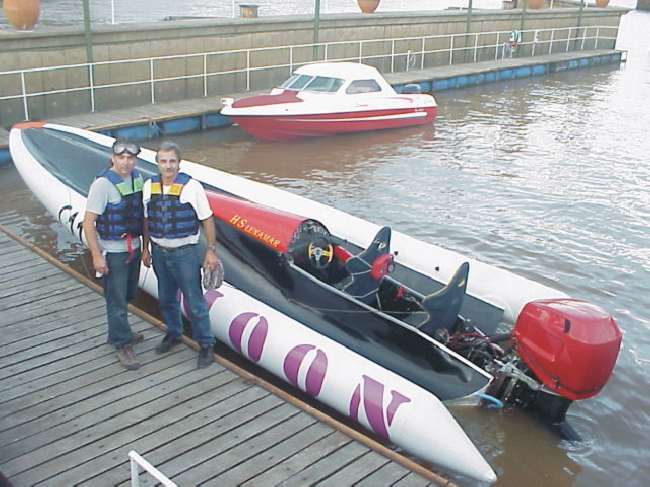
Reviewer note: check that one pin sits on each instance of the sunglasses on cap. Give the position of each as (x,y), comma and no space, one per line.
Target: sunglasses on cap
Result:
(120,148)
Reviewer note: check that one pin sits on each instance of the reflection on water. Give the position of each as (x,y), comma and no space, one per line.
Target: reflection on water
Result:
(547,177)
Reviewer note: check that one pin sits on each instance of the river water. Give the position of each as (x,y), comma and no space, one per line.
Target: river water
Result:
(547,177)
(70,12)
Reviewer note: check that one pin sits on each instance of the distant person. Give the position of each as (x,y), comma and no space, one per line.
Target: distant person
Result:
(113,224)
(176,206)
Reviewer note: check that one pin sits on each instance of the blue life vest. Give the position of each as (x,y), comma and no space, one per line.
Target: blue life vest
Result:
(167,217)
(124,218)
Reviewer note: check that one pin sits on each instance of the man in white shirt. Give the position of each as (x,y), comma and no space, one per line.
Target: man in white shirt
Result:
(175,207)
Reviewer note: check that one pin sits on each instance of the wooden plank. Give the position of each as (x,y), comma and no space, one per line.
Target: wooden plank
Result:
(412,480)
(355,471)
(83,324)
(34,295)
(8,275)
(64,319)
(28,281)
(111,378)
(70,348)
(111,468)
(264,460)
(40,464)
(327,465)
(46,305)
(390,473)
(245,443)
(96,359)
(301,460)
(45,352)
(66,308)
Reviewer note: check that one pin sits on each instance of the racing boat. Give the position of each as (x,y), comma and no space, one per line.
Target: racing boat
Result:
(378,325)
(330,98)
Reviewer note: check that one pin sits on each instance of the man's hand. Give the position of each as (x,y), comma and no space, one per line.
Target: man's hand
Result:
(146,257)
(210,261)
(99,263)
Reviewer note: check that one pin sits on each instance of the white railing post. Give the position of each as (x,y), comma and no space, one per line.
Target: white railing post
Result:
(597,37)
(233,9)
(568,40)
(392,56)
(422,58)
(153,86)
(205,75)
(248,70)
(135,472)
(496,47)
(137,460)
(22,84)
(112,11)
(451,48)
(584,34)
(290,60)
(326,55)
(476,47)
(91,78)
(360,51)
(550,44)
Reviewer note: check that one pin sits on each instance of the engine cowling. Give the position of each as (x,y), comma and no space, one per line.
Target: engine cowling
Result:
(570,345)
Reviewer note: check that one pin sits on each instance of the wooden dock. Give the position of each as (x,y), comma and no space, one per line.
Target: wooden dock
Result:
(69,413)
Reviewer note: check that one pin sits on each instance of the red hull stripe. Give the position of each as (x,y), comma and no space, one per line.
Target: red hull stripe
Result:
(295,126)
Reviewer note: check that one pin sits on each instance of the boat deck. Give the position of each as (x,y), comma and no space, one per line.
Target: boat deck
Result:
(69,413)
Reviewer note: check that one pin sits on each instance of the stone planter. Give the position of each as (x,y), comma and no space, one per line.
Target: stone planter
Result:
(22,14)
(368,6)
(535,4)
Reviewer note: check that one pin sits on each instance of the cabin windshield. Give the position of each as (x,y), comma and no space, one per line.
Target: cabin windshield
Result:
(296,82)
(324,84)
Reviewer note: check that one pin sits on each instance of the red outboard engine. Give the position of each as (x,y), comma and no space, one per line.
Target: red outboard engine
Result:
(571,346)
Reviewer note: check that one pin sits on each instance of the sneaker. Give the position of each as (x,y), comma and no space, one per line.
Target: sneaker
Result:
(205,358)
(127,358)
(167,343)
(136,337)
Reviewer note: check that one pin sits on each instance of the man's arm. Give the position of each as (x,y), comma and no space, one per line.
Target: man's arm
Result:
(210,261)
(146,253)
(90,232)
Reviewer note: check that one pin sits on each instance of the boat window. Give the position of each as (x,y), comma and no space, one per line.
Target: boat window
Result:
(363,86)
(288,82)
(324,84)
(296,82)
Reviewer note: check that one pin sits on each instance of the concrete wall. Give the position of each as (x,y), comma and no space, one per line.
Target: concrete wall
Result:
(122,42)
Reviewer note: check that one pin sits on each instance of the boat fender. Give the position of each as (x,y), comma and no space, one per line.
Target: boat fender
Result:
(383,265)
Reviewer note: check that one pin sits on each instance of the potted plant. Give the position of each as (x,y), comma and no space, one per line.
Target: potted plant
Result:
(368,6)
(22,14)
(535,4)
(602,3)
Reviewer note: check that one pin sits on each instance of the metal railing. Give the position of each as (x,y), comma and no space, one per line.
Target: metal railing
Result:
(397,50)
(136,462)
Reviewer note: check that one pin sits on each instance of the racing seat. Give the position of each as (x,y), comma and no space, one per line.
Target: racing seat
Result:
(369,267)
(444,305)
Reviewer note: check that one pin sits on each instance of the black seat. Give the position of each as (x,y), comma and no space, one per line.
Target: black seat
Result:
(444,305)
(363,286)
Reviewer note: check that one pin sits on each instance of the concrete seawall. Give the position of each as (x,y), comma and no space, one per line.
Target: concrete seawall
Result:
(65,46)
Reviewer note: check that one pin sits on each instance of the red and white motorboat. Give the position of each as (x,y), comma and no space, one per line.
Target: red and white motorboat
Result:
(330,98)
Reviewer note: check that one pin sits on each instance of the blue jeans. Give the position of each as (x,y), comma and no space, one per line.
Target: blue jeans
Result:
(180,269)
(120,287)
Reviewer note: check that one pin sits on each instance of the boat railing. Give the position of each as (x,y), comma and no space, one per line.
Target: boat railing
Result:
(388,55)
(138,461)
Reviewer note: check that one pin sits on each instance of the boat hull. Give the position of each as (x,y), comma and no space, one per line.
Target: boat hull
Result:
(288,127)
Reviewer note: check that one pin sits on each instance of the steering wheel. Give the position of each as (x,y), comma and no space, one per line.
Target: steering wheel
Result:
(320,255)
